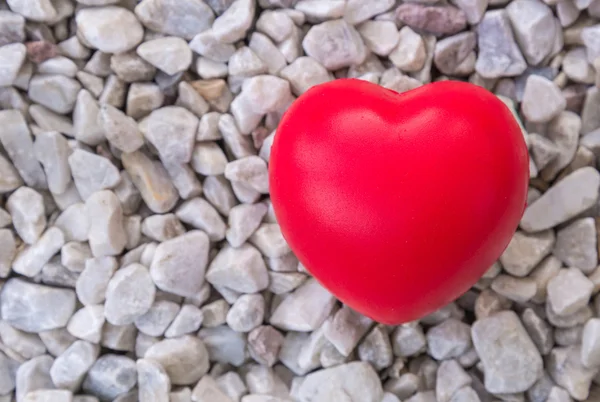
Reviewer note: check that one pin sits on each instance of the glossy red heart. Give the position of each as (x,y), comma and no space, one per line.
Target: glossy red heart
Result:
(398,203)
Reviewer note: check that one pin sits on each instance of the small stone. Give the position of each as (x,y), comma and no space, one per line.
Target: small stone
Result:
(244,219)
(26,345)
(215,313)
(156,320)
(449,339)
(15,137)
(251,171)
(568,336)
(540,331)
(208,127)
(264,48)
(85,119)
(168,54)
(566,369)
(129,294)
(436,20)
(12,57)
(323,384)
(246,313)
(335,44)
(49,395)
(345,329)
(239,145)
(110,376)
(190,99)
(525,251)
(564,132)
(276,24)
(224,345)
(70,368)
(162,227)
(56,92)
(31,260)
(106,235)
(306,309)
(558,394)
(577,192)
(92,83)
(188,320)
(30,376)
(536,88)
(58,65)
(142,99)
(179,264)
(12,28)
(543,150)
(535,28)
(35,308)
(568,321)
(199,214)
(218,192)
(184,359)
(152,181)
(184,179)
(590,36)
(208,389)
(172,131)
(499,55)
(235,22)
(52,150)
(381,37)
(119,337)
(120,130)
(357,11)
(153,382)
(576,245)
(590,343)
(266,93)
(264,343)
(9,177)
(452,51)
(109,29)
(184,19)
(269,240)
(451,377)
(409,55)
(130,67)
(408,340)
(208,159)
(569,291)
(57,340)
(376,348)
(519,290)
(575,65)
(510,359)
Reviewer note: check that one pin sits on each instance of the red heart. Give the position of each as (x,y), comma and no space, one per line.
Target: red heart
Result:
(398,203)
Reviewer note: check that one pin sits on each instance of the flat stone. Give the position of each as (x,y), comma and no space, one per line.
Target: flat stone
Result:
(525,251)
(12,28)
(120,130)
(30,376)
(190,99)
(69,369)
(590,343)
(590,36)
(188,320)
(576,66)
(153,382)
(306,309)
(50,121)
(215,313)
(266,93)
(110,376)
(152,181)
(35,308)
(436,20)
(244,219)
(499,54)
(142,99)
(543,151)
(566,369)
(510,359)
(172,131)
(535,28)
(409,55)
(357,11)
(52,150)
(536,88)
(266,50)
(12,57)
(451,377)
(563,131)
(49,395)
(225,270)
(130,67)
(449,339)
(169,54)
(30,260)
(58,65)
(335,44)
(119,337)
(109,29)
(246,313)
(540,331)
(569,291)
(345,329)
(10,179)
(451,52)
(106,235)
(576,245)
(376,348)
(408,340)
(323,384)
(156,320)
(129,294)
(264,343)
(184,19)
(184,359)
(93,281)
(269,240)
(381,37)
(15,137)
(26,345)
(235,22)
(569,197)
(56,92)
(92,173)
(26,207)
(208,159)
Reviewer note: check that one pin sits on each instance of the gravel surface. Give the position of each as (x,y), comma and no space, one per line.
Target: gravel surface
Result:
(139,254)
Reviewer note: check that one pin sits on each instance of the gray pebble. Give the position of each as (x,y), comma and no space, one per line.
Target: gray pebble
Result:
(8,251)
(535,28)
(120,130)
(215,313)
(345,329)
(266,50)
(511,360)
(246,313)
(449,339)
(154,384)
(142,99)
(572,195)
(49,395)
(244,219)
(92,172)
(234,23)
(590,343)
(564,132)
(525,251)
(569,291)
(50,121)
(119,337)
(70,368)
(9,177)
(129,294)
(208,159)
(35,308)
(15,137)
(376,348)
(190,99)
(451,377)
(540,331)
(56,92)
(264,343)
(179,264)
(536,88)
(157,319)
(304,73)
(224,345)
(519,290)
(184,19)
(12,57)
(162,227)
(52,150)
(270,241)
(87,323)
(106,235)
(499,54)
(93,280)
(348,47)
(543,150)
(169,54)
(110,376)
(410,53)
(31,260)
(566,369)
(188,320)
(57,340)
(576,245)
(58,65)
(250,171)
(109,29)
(184,359)
(12,27)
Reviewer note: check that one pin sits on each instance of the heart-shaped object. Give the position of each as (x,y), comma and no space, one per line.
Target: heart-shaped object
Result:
(398,203)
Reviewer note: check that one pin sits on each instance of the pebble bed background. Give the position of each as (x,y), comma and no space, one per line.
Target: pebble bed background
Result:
(140,254)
